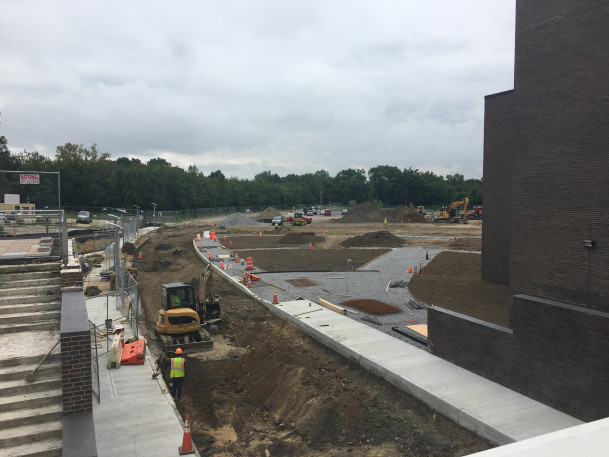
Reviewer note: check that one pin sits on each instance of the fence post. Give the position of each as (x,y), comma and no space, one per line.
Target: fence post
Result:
(64,238)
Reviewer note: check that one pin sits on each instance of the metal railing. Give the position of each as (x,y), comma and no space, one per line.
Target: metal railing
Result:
(95,389)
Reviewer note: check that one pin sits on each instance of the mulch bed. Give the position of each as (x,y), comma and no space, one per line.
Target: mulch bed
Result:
(370,306)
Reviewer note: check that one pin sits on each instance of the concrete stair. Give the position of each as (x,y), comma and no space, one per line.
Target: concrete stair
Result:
(31,408)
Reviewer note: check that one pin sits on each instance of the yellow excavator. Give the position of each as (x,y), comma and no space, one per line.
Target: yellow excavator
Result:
(450,213)
(183,316)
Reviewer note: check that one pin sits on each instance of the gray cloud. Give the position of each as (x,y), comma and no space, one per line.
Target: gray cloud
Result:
(249,86)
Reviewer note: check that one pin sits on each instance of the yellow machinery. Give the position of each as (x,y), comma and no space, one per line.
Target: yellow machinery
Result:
(451,214)
(182,314)
(421,210)
(298,219)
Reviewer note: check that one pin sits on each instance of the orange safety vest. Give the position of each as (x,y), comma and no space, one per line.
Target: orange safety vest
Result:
(177,367)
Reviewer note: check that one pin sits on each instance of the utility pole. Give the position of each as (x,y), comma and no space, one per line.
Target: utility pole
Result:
(321,199)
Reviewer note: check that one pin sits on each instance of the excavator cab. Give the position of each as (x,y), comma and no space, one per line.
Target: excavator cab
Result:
(178,295)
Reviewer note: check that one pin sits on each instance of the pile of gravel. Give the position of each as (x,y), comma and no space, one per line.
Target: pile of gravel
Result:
(268,213)
(238,220)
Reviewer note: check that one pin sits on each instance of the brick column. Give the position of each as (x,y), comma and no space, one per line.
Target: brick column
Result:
(75,353)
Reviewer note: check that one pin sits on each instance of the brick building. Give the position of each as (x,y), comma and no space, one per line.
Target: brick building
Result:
(546,217)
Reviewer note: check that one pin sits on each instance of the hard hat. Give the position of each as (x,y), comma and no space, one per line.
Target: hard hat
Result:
(178,351)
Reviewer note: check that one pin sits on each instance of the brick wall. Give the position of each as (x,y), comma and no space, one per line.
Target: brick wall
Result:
(555,353)
(76,373)
(71,277)
(560,181)
(499,150)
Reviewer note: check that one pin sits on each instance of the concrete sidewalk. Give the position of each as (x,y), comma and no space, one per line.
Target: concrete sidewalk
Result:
(136,415)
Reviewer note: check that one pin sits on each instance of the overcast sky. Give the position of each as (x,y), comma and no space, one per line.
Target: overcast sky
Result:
(248,86)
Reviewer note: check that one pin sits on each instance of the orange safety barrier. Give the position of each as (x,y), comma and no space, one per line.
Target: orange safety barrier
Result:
(249,263)
(134,353)
(212,235)
(254,277)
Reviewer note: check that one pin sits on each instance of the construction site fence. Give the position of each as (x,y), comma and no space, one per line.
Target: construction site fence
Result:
(32,234)
(149,216)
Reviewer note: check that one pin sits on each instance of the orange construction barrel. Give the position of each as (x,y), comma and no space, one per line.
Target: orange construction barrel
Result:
(249,263)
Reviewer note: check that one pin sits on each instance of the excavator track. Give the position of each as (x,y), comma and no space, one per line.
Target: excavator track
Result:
(189,343)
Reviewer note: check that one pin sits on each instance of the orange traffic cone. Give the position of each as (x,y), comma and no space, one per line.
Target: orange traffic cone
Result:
(249,281)
(209,255)
(363,232)
(323,235)
(230,243)
(224,237)
(186,447)
(236,258)
(198,237)
(275,300)
(140,256)
(260,234)
(420,270)
(244,280)
(310,245)
(221,265)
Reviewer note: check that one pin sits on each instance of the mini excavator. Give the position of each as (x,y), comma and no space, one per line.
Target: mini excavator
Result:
(184,315)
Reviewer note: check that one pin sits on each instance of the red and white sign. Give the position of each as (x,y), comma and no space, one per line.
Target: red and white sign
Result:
(29,179)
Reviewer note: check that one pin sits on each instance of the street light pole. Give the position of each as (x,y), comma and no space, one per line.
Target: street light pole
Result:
(154,214)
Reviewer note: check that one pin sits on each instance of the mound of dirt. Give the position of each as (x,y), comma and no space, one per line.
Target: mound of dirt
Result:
(238,220)
(370,306)
(374,239)
(406,214)
(268,213)
(300,238)
(363,213)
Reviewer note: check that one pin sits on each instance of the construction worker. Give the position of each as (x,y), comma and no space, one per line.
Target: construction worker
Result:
(177,374)
(174,300)
(385,223)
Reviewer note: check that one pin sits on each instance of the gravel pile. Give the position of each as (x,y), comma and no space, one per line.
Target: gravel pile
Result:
(238,220)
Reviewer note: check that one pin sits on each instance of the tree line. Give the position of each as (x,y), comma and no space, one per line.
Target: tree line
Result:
(93,179)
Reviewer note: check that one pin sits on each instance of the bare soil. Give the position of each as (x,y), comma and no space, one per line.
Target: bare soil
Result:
(267,389)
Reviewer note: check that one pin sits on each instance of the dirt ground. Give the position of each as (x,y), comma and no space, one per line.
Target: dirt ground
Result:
(267,389)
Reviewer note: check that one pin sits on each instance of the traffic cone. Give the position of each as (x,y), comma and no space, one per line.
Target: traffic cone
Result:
(224,237)
(184,222)
(260,234)
(236,258)
(420,270)
(467,229)
(310,245)
(426,254)
(140,256)
(186,447)
(363,232)
(198,237)
(249,281)
(230,243)
(244,280)
(323,235)
(209,255)
(221,265)
(275,300)
(455,237)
